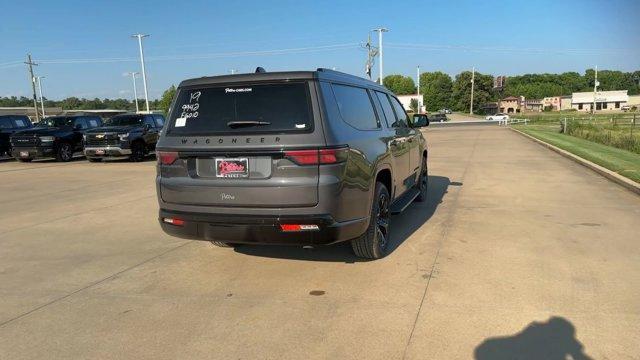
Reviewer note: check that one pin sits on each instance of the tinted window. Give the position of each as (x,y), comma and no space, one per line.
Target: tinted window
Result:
(81,123)
(21,121)
(93,122)
(57,121)
(355,107)
(5,123)
(148,120)
(125,120)
(386,108)
(242,109)
(401,115)
(159,120)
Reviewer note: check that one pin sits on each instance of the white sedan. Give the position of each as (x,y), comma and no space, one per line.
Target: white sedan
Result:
(498,116)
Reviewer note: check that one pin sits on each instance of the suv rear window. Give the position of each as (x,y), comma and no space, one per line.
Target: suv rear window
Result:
(257,108)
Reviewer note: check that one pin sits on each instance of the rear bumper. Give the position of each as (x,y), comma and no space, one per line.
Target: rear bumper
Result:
(32,152)
(248,229)
(105,151)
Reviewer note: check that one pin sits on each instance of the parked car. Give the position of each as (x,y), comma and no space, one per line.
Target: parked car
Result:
(625,108)
(58,136)
(9,124)
(441,117)
(131,136)
(305,157)
(499,116)
(445,111)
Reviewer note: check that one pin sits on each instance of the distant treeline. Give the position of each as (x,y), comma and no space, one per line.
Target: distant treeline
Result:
(441,91)
(74,103)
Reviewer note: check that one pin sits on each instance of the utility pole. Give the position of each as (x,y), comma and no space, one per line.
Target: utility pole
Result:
(418,91)
(595,89)
(39,78)
(380,31)
(233,71)
(372,51)
(144,73)
(135,90)
(33,85)
(473,77)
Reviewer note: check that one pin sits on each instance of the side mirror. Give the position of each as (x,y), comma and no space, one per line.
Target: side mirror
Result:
(420,121)
(146,127)
(77,127)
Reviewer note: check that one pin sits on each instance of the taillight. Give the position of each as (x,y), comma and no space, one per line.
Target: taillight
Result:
(318,156)
(167,157)
(174,221)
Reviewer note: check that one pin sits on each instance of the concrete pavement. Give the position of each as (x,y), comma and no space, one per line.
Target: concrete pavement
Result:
(518,251)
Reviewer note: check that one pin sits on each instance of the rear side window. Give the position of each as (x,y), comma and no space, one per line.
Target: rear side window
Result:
(386,108)
(148,120)
(355,107)
(81,122)
(255,108)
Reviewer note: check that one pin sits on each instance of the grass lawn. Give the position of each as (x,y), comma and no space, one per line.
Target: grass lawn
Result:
(621,161)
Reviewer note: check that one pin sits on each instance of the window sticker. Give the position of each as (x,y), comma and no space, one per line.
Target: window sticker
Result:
(181,122)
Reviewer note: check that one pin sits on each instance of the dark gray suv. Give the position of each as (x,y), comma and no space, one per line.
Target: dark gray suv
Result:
(296,158)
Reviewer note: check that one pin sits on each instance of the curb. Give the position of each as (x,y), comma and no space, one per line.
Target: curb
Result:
(612,176)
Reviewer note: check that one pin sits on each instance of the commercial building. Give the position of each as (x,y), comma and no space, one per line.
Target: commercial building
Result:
(605,100)
(511,104)
(405,100)
(553,102)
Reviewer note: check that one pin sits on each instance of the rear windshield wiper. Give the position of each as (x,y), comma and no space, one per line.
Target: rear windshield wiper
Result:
(236,124)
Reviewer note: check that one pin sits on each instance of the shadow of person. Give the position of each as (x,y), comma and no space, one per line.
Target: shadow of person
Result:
(551,340)
(402,226)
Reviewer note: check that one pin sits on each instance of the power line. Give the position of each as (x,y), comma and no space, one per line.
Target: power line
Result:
(436,47)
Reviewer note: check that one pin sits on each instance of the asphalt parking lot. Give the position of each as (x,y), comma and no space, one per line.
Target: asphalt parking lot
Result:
(517,252)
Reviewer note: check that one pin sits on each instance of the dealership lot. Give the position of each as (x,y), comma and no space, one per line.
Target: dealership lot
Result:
(512,234)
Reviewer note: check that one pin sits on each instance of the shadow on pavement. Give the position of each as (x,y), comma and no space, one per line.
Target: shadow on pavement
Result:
(551,340)
(402,225)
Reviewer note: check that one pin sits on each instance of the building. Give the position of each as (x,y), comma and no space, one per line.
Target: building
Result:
(565,102)
(532,105)
(605,100)
(552,102)
(634,100)
(405,100)
(510,105)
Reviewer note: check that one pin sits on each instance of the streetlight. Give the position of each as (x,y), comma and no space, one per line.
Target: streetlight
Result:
(380,31)
(144,73)
(39,80)
(135,90)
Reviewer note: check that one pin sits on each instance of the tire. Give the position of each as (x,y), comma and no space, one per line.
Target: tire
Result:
(373,244)
(137,152)
(93,160)
(423,181)
(64,153)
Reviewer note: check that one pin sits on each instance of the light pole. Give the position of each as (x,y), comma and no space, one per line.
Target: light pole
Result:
(38,78)
(380,31)
(473,78)
(144,73)
(135,90)
(595,89)
(418,91)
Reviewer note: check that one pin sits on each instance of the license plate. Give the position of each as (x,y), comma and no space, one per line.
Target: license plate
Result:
(232,168)
(24,154)
(99,151)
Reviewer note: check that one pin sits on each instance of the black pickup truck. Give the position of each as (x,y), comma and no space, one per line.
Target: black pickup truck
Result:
(58,136)
(131,136)
(9,124)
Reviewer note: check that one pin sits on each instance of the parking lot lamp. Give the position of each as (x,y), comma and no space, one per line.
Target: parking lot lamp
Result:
(144,73)
(380,31)
(39,79)
(135,89)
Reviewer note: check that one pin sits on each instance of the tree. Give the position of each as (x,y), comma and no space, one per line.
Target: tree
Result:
(166,99)
(482,91)
(436,88)
(413,104)
(399,85)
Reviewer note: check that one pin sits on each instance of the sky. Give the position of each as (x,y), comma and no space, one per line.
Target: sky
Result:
(84,48)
